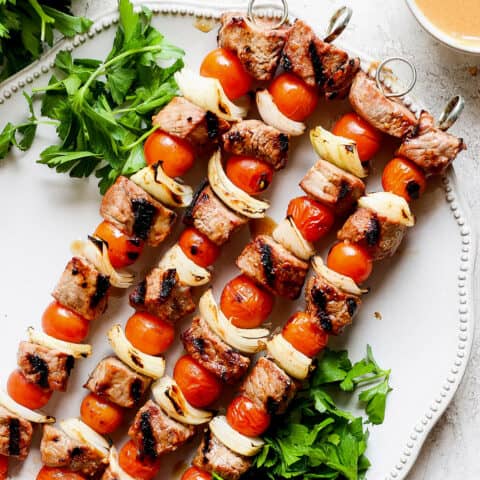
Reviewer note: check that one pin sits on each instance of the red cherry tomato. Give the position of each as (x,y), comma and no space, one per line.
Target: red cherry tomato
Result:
(198,247)
(350,259)
(313,219)
(250,174)
(177,155)
(149,333)
(245,303)
(194,473)
(100,414)
(139,467)
(404,178)
(123,250)
(64,324)
(3,467)
(305,334)
(225,66)
(200,387)
(354,127)
(26,393)
(56,473)
(293,97)
(246,417)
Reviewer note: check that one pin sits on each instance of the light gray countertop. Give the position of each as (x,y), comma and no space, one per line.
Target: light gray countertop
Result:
(383,28)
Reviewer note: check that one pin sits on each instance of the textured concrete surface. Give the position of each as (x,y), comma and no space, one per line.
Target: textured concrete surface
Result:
(383,28)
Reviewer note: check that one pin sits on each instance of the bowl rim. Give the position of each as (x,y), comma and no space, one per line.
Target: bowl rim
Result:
(440,35)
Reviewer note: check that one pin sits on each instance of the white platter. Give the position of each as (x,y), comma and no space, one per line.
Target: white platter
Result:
(424,294)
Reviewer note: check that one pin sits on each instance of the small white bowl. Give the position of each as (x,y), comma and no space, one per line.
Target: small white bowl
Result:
(440,34)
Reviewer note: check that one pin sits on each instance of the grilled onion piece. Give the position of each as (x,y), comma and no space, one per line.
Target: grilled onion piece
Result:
(287,234)
(115,467)
(76,350)
(286,356)
(30,415)
(389,205)
(81,432)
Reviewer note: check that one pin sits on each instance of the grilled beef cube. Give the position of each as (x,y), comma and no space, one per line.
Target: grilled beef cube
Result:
(116,382)
(332,186)
(162,295)
(432,149)
(213,456)
(155,433)
(186,120)
(208,349)
(380,236)
(333,307)
(269,387)
(208,214)
(15,435)
(133,211)
(273,266)
(258,47)
(318,63)
(254,138)
(385,114)
(60,450)
(46,367)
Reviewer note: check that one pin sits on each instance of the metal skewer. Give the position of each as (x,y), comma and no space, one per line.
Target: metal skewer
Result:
(281,22)
(379,82)
(452,111)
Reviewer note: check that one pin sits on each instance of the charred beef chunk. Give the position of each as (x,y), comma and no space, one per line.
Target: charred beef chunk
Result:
(387,115)
(46,367)
(269,387)
(186,120)
(380,236)
(155,433)
(333,187)
(318,63)
(135,212)
(256,139)
(15,435)
(333,307)
(116,382)
(208,214)
(83,289)
(208,349)
(432,149)
(162,295)
(213,456)
(273,266)
(258,47)
(59,450)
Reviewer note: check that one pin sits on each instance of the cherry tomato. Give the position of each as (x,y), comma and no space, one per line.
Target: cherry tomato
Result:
(350,259)
(123,250)
(246,417)
(100,414)
(293,97)
(313,219)
(3,467)
(245,303)
(149,333)
(198,247)
(404,178)
(225,66)
(56,473)
(368,138)
(64,324)
(139,467)
(177,155)
(200,387)
(305,334)
(27,393)
(250,174)
(195,473)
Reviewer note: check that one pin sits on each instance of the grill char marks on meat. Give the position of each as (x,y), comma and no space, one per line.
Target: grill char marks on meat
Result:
(15,435)
(387,115)
(162,295)
(256,139)
(271,265)
(155,433)
(116,382)
(432,149)
(258,47)
(318,63)
(207,348)
(83,289)
(133,211)
(44,366)
(333,187)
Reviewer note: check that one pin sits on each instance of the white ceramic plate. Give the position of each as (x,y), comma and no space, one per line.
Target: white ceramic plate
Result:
(423,294)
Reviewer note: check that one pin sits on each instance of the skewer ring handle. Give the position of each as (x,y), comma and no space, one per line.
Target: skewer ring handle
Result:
(281,22)
(338,23)
(410,86)
(452,111)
